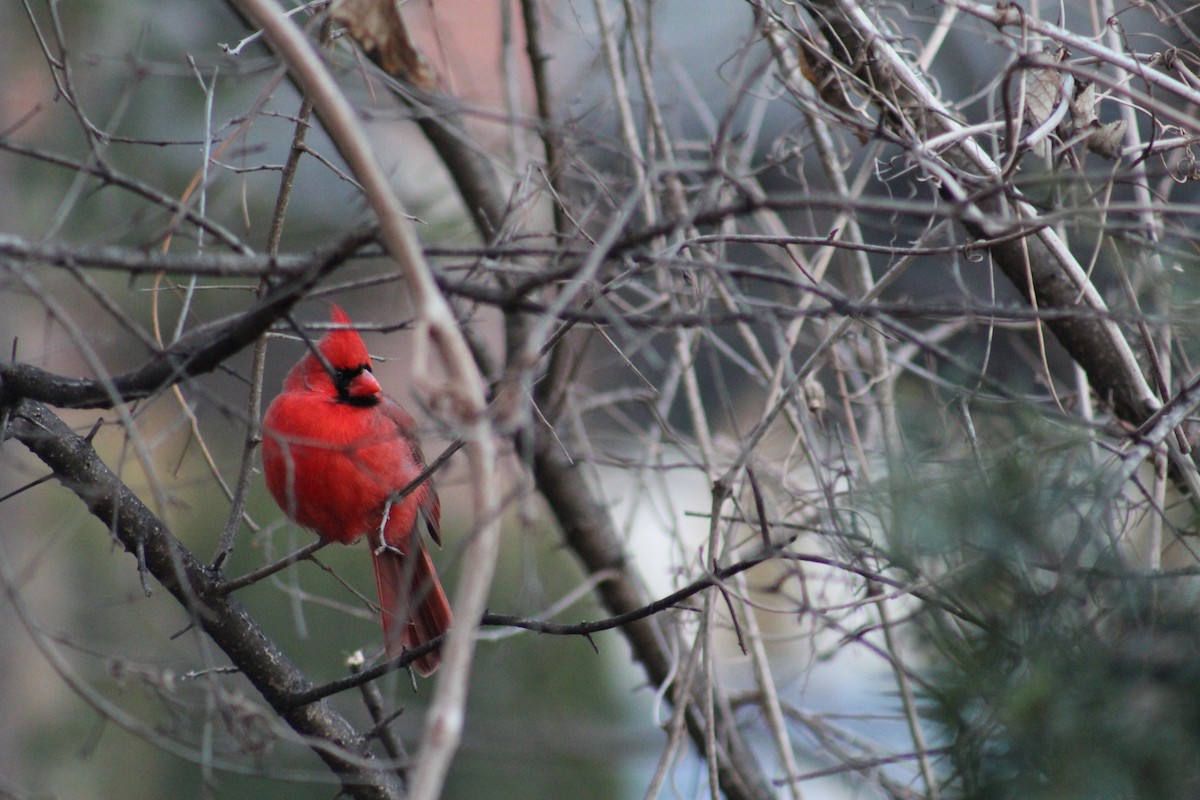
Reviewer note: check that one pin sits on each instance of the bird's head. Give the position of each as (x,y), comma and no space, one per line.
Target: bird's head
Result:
(344,369)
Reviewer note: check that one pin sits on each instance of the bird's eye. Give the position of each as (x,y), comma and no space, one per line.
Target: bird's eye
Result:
(343,376)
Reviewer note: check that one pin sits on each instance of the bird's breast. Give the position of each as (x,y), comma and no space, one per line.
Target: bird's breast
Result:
(331,467)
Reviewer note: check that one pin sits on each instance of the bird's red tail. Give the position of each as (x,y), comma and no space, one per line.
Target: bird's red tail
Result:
(415,608)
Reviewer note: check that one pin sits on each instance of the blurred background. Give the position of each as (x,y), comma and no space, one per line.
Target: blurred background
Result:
(105,111)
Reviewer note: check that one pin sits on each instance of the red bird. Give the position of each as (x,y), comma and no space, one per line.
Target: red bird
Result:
(335,449)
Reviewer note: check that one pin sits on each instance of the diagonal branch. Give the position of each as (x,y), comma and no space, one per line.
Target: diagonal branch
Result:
(201,351)
(464,392)
(225,620)
(1041,265)
(588,530)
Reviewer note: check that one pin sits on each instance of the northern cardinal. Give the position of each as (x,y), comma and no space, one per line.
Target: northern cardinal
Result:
(335,449)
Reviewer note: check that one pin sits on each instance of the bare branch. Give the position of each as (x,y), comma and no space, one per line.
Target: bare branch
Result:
(226,621)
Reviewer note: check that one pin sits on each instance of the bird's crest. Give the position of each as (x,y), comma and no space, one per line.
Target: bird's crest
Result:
(343,347)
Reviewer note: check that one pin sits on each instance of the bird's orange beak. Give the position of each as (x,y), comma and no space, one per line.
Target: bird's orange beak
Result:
(363,385)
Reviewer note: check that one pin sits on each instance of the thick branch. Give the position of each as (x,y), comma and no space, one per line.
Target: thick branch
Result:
(227,623)
(200,351)
(473,176)
(588,530)
(437,326)
(1040,265)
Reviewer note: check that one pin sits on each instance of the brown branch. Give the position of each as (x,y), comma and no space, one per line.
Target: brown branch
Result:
(551,138)
(1039,265)
(589,532)
(200,351)
(438,329)
(588,628)
(197,589)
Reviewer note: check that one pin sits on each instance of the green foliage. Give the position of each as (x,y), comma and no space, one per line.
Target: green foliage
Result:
(1055,672)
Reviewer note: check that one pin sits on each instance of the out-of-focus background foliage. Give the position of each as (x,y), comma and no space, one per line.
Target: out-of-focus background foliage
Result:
(956,600)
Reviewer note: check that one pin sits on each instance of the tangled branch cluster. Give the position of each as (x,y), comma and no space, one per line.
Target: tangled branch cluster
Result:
(916,324)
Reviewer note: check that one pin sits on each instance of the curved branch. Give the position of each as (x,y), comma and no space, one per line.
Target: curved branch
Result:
(465,389)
